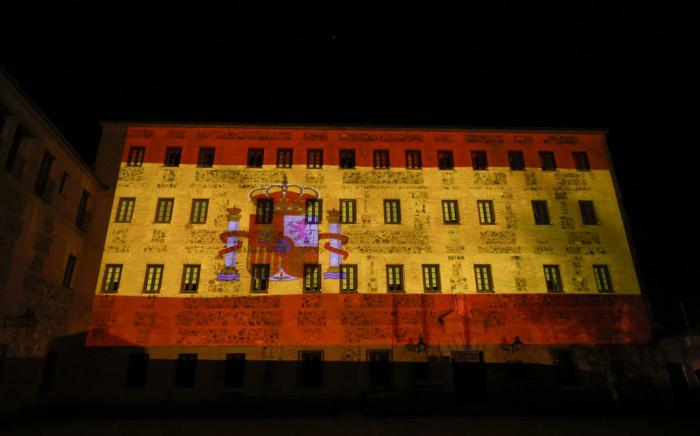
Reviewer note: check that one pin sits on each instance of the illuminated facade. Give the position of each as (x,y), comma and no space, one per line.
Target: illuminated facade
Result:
(232,244)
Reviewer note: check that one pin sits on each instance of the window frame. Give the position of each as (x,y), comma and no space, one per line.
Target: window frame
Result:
(313,211)
(107,278)
(480,160)
(258,269)
(264,214)
(414,159)
(203,154)
(395,219)
(285,157)
(603,280)
(446,219)
(344,286)
(345,154)
(390,276)
(443,155)
(539,206)
(159,203)
(205,202)
(255,157)
(428,270)
(483,276)
(589,216)
(168,159)
(136,156)
(516,163)
(548,161)
(581,161)
(310,270)
(381,159)
(125,202)
(558,284)
(68,271)
(157,282)
(486,212)
(314,158)
(197,270)
(353,206)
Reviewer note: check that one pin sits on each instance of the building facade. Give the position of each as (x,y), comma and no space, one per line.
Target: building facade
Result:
(49,243)
(288,260)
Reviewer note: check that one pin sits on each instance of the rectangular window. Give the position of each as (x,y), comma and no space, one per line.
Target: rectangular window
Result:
(311,369)
(185,370)
(394,278)
(125,210)
(379,368)
(172,156)
(540,212)
(15,162)
(255,157)
(137,371)
(479,160)
(445,159)
(547,161)
(482,274)
(263,210)
(381,159)
(206,157)
(486,213)
(312,277)
(314,158)
(164,210)
(111,279)
(44,185)
(347,159)
(348,278)
(190,279)
(516,160)
(313,210)
(136,155)
(392,212)
(153,279)
(588,215)
(450,212)
(348,211)
(431,278)
(602,278)
(285,157)
(413,160)
(82,220)
(581,161)
(62,185)
(260,277)
(68,272)
(200,208)
(552,278)
(234,370)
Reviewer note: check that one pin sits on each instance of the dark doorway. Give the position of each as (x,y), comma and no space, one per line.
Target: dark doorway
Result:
(469,376)
(379,368)
(311,369)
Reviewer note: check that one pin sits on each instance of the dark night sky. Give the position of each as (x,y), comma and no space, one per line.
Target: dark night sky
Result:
(490,63)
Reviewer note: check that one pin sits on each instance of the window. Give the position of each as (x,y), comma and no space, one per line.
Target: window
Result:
(348,278)
(602,278)
(486,213)
(312,277)
(136,155)
(347,159)
(185,370)
(62,185)
(394,278)
(111,279)
(540,211)
(190,279)
(392,212)
(482,274)
(172,156)
(15,162)
(234,370)
(516,160)
(379,368)
(581,161)
(413,160)
(381,159)
(263,210)
(431,278)
(255,157)
(445,159)
(285,157)
(588,215)
(82,220)
(137,371)
(311,369)
(552,278)
(348,212)
(450,213)
(153,279)
(547,161)
(125,210)
(164,210)
(313,210)
(314,158)
(260,277)
(479,160)
(206,157)
(199,211)
(68,272)
(44,185)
